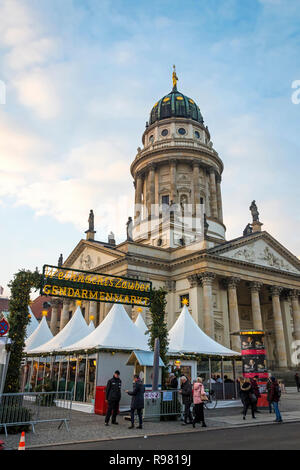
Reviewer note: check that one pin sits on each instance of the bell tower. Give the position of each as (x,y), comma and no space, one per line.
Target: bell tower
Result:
(177,178)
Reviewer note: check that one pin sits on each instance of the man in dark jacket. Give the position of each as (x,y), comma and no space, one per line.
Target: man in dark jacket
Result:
(275,394)
(173,381)
(113,397)
(137,401)
(187,399)
(297,380)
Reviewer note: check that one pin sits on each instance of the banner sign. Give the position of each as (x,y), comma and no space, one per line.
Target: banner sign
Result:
(151,395)
(253,354)
(85,285)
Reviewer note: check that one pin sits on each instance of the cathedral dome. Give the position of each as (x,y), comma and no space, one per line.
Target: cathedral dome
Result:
(175,104)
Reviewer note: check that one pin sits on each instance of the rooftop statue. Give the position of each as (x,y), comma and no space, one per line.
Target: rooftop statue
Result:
(254,212)
(174,78)
(91,221)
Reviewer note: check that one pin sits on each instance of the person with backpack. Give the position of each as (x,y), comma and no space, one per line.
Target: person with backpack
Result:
(275,394)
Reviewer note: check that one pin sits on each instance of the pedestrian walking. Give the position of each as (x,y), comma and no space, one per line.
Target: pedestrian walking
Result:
(297,380)
(255,391)
(199,396)
(246,394)
(275,394)
(137,401)
(268,387)
(187,398)
(173,381)
(113,397)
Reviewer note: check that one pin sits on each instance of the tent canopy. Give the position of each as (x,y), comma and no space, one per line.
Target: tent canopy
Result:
(144,358)
(139,322)
(186,337)
(32,325)
(91,326)
(74,330)
(116,331)
(40,336)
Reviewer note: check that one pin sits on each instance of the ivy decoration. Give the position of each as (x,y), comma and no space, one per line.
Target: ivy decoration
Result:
(21,285)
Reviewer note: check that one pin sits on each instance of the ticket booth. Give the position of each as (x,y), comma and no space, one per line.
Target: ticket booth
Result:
(142,361)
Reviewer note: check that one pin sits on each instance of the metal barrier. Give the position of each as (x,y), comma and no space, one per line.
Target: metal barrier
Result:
(162,403)
(30,408)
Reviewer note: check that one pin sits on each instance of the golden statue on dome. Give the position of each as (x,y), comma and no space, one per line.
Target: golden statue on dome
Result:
(174,78)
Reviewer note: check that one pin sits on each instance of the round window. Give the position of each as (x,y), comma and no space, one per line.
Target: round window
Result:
(181,131)
(197,135)
(165,132)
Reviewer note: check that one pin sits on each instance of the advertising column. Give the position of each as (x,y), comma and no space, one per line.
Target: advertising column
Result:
(254,360)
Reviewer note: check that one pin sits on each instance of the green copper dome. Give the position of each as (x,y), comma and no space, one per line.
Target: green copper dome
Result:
(175,104)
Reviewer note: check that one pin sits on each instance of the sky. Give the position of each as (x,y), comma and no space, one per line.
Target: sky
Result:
(78,79)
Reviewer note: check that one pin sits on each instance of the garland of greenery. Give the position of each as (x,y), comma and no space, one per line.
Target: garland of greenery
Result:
(20,287)
(158,327)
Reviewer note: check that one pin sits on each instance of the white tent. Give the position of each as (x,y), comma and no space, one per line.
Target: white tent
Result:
(40,336)
(139,322)
(116,331)
(91,326)
(186,337)
(32,325)
(74,330)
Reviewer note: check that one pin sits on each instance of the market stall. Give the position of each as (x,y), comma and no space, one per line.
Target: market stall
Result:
(188,344)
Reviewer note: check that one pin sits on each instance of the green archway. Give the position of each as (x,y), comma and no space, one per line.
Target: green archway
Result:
(21,286)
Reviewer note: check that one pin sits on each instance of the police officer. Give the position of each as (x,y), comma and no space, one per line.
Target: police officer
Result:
(113,397)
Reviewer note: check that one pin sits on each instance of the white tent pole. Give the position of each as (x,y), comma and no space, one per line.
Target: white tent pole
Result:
(209,371)
(67,376)
(37,371)
(222,375)
(30,376)
(76,374)
(85,378)
(58,375)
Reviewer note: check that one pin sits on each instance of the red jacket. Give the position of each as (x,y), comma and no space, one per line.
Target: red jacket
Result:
(255,388)
(275,392)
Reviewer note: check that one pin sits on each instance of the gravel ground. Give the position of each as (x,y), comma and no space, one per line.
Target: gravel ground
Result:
(85,427)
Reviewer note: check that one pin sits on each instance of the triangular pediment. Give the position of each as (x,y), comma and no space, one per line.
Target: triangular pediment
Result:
(89,255)
(260,249)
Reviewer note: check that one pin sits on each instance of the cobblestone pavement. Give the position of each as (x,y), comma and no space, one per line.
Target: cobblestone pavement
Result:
(89,427)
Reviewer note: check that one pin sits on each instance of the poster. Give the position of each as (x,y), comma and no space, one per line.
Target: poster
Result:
(253,354)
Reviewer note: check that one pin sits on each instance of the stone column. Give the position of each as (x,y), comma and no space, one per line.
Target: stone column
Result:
(195,281)
(55,304)
(173,197)
(64,316)
(208,314)
(213,194)
(93,313)
(219,198)
(294,294)
(255,302)
(278,327)
(196,187)
(138,198)
(234,318)
(170,309)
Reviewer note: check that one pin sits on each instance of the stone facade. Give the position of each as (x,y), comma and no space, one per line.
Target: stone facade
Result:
(248,282)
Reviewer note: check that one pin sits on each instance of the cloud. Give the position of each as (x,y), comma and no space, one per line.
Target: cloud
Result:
(38,91)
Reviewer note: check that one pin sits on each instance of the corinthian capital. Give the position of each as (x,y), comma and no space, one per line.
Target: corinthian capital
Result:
(233,281)
(207,277)
(294,294)
(276,290)
(194,280)
(255,286)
